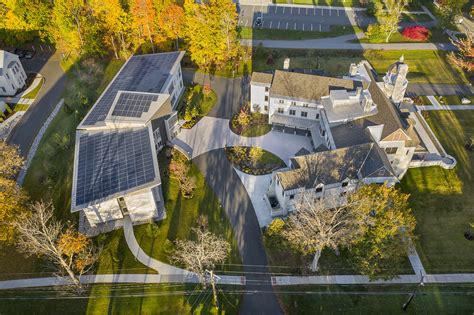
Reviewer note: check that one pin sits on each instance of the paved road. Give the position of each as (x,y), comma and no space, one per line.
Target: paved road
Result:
(25,131)
(439,89)
(341,42)
(231,93)
(229,189)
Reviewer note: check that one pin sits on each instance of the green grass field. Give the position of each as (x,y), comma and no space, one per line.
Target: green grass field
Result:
(424,66)
(376,299)
(442,200)
(123,299)
(257,33)
(35,91)
(454,99)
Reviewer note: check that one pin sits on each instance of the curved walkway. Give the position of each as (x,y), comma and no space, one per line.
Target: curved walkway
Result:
(226,184)
(214,133)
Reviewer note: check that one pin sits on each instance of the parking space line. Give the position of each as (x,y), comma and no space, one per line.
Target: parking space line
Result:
(311,27)
(338,12)
(270,24)
(263,23)
(314,11)
(295,26)
(303,26)
(278,27)
(322,12)
(283,10)
(299,11)
(291,10)
(246,21)
(286,25)
(306,11)
(320,27)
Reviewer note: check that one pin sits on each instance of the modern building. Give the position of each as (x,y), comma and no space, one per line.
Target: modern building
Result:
(357,133)
(12,74)
(116,169)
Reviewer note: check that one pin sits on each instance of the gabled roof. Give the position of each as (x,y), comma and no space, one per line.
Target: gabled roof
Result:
(307,86)
(6,60)
(261,78)
(334,166)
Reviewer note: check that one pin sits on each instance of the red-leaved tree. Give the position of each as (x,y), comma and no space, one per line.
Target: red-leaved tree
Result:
(417,33)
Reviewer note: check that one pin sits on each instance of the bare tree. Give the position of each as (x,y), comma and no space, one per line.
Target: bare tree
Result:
(39,233)
(318,224)
(203,253)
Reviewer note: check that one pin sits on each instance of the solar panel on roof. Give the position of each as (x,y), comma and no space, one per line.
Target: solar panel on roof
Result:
(133,104)
(145,73)
(111,162)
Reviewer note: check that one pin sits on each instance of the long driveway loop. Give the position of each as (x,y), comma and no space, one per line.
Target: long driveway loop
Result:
(220,175)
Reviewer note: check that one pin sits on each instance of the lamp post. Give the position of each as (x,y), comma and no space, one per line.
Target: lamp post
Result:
(412,295)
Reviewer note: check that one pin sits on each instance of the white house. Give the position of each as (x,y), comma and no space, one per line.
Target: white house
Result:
(12,74)
(116,169)
(358,136)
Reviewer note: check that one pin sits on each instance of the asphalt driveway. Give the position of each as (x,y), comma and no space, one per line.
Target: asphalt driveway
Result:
(27,128)
(231,92)
(220,175)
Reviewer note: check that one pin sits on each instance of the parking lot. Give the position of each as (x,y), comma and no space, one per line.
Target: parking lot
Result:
(300,18)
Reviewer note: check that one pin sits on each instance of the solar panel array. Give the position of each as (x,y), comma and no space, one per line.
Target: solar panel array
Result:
(111,162)
(133,104)
(146,73)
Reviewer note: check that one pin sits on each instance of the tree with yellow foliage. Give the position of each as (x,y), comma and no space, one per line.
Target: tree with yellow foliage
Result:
(12,197)
(171,22)
(387,233)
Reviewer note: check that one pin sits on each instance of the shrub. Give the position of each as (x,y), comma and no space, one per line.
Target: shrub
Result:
(375,33)
(416,33)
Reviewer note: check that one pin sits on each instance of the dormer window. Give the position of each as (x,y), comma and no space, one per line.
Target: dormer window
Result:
(319,189)
(344,184)
(391,150)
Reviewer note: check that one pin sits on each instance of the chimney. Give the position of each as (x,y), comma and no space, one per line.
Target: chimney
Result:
(353,70)
(286,64)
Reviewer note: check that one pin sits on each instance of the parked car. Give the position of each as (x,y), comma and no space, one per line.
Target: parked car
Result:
(258,21)
(29,54)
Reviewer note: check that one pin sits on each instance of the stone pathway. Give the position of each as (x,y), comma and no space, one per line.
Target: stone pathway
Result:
(214,133)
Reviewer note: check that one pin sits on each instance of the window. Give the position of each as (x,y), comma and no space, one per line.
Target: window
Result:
(292,112)
(305,105)
(266,98)
(293,103)
(304,114)
(391,150)
(408,151)
(280,110)
(319,189)
(8,77)
(3,89)
(265,107)
(267,89)
(292,196)
(317,116)
(344,184)
(323,133)
(281,101)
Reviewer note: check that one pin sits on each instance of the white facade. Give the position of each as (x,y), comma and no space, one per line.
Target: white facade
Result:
(259,98)
(174,85)
(12,74)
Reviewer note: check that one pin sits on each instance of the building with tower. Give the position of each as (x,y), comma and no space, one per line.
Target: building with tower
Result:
(395,82)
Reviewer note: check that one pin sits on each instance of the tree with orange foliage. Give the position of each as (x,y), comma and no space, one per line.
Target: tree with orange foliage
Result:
(171,22)
(464,58)
(40,234)
(144,14)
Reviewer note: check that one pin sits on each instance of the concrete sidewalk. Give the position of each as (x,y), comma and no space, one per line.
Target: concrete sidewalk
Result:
(446,107)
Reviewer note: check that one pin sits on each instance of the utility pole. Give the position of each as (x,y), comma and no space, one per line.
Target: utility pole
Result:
(213,284)
(407,303)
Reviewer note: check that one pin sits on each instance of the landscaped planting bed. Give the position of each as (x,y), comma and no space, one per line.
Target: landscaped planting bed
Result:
(196,103)
(253,161)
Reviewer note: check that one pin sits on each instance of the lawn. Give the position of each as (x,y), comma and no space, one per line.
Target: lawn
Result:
(157,240)
(262,33)
(377,299)
(127,299)
(195,104)
(424,66)
(50,173)
(35,91)
(257,130)
(416,18)
(20,107)
(454,99)
(442,200)
(240,157)
(437,36)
